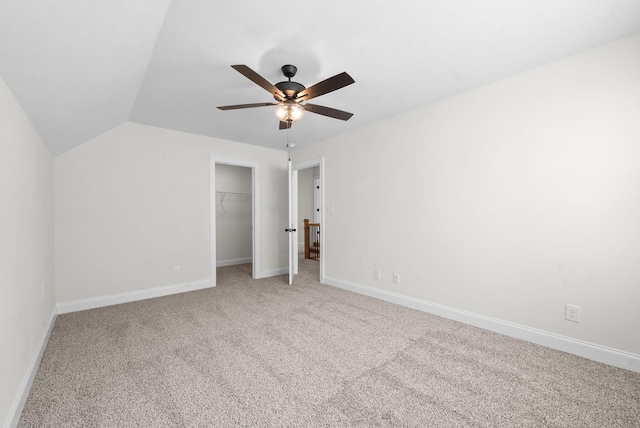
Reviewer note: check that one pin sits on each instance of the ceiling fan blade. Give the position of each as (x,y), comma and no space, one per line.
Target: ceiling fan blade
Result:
(327,111)
(329,85)
(237,106)
(285,125)
(259,80)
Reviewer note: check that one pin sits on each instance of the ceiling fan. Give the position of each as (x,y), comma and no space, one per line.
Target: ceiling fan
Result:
(290,95)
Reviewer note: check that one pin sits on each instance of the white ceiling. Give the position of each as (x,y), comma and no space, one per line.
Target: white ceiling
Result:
(82,67)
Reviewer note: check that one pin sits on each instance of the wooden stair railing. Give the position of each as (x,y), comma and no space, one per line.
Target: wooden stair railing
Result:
(311,249)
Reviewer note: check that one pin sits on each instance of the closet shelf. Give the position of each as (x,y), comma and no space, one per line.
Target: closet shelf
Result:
(224,194)
(232,193)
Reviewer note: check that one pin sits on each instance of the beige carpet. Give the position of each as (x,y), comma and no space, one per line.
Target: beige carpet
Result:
(262,353)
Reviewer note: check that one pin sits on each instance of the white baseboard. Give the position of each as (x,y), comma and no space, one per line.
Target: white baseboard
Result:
(131,296)
(613,357)
(232,262)
(23,393)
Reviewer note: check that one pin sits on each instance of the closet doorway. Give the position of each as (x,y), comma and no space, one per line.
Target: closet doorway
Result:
(232,215)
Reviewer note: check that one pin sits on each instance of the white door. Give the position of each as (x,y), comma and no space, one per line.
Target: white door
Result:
(292,228)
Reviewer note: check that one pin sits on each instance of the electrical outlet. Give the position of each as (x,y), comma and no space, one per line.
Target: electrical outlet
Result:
(176,270)
(572,313)
(376,273)
(396,278)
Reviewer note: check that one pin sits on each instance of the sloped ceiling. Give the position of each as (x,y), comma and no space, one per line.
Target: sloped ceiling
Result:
(80,68)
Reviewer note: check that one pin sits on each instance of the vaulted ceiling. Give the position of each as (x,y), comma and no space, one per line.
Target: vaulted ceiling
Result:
(80,68)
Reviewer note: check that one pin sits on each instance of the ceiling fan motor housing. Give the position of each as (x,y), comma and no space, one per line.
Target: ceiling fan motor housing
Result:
(289,88)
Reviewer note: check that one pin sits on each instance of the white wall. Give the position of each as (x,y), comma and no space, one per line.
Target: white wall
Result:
(134,202)
(233,214)
(26,248)
(506,201)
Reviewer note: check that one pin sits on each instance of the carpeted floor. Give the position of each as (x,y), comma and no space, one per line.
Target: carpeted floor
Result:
(262,353)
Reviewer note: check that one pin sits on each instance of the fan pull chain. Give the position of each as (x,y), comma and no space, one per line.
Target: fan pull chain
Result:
(289,142)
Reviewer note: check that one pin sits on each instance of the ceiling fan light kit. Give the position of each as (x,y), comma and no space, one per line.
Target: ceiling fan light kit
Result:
(289,111)
(290,95)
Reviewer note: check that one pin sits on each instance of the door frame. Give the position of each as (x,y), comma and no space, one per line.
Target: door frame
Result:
(319,162)
(255,213)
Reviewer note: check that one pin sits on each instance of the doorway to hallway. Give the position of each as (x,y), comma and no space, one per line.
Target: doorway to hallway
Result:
(310,205)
